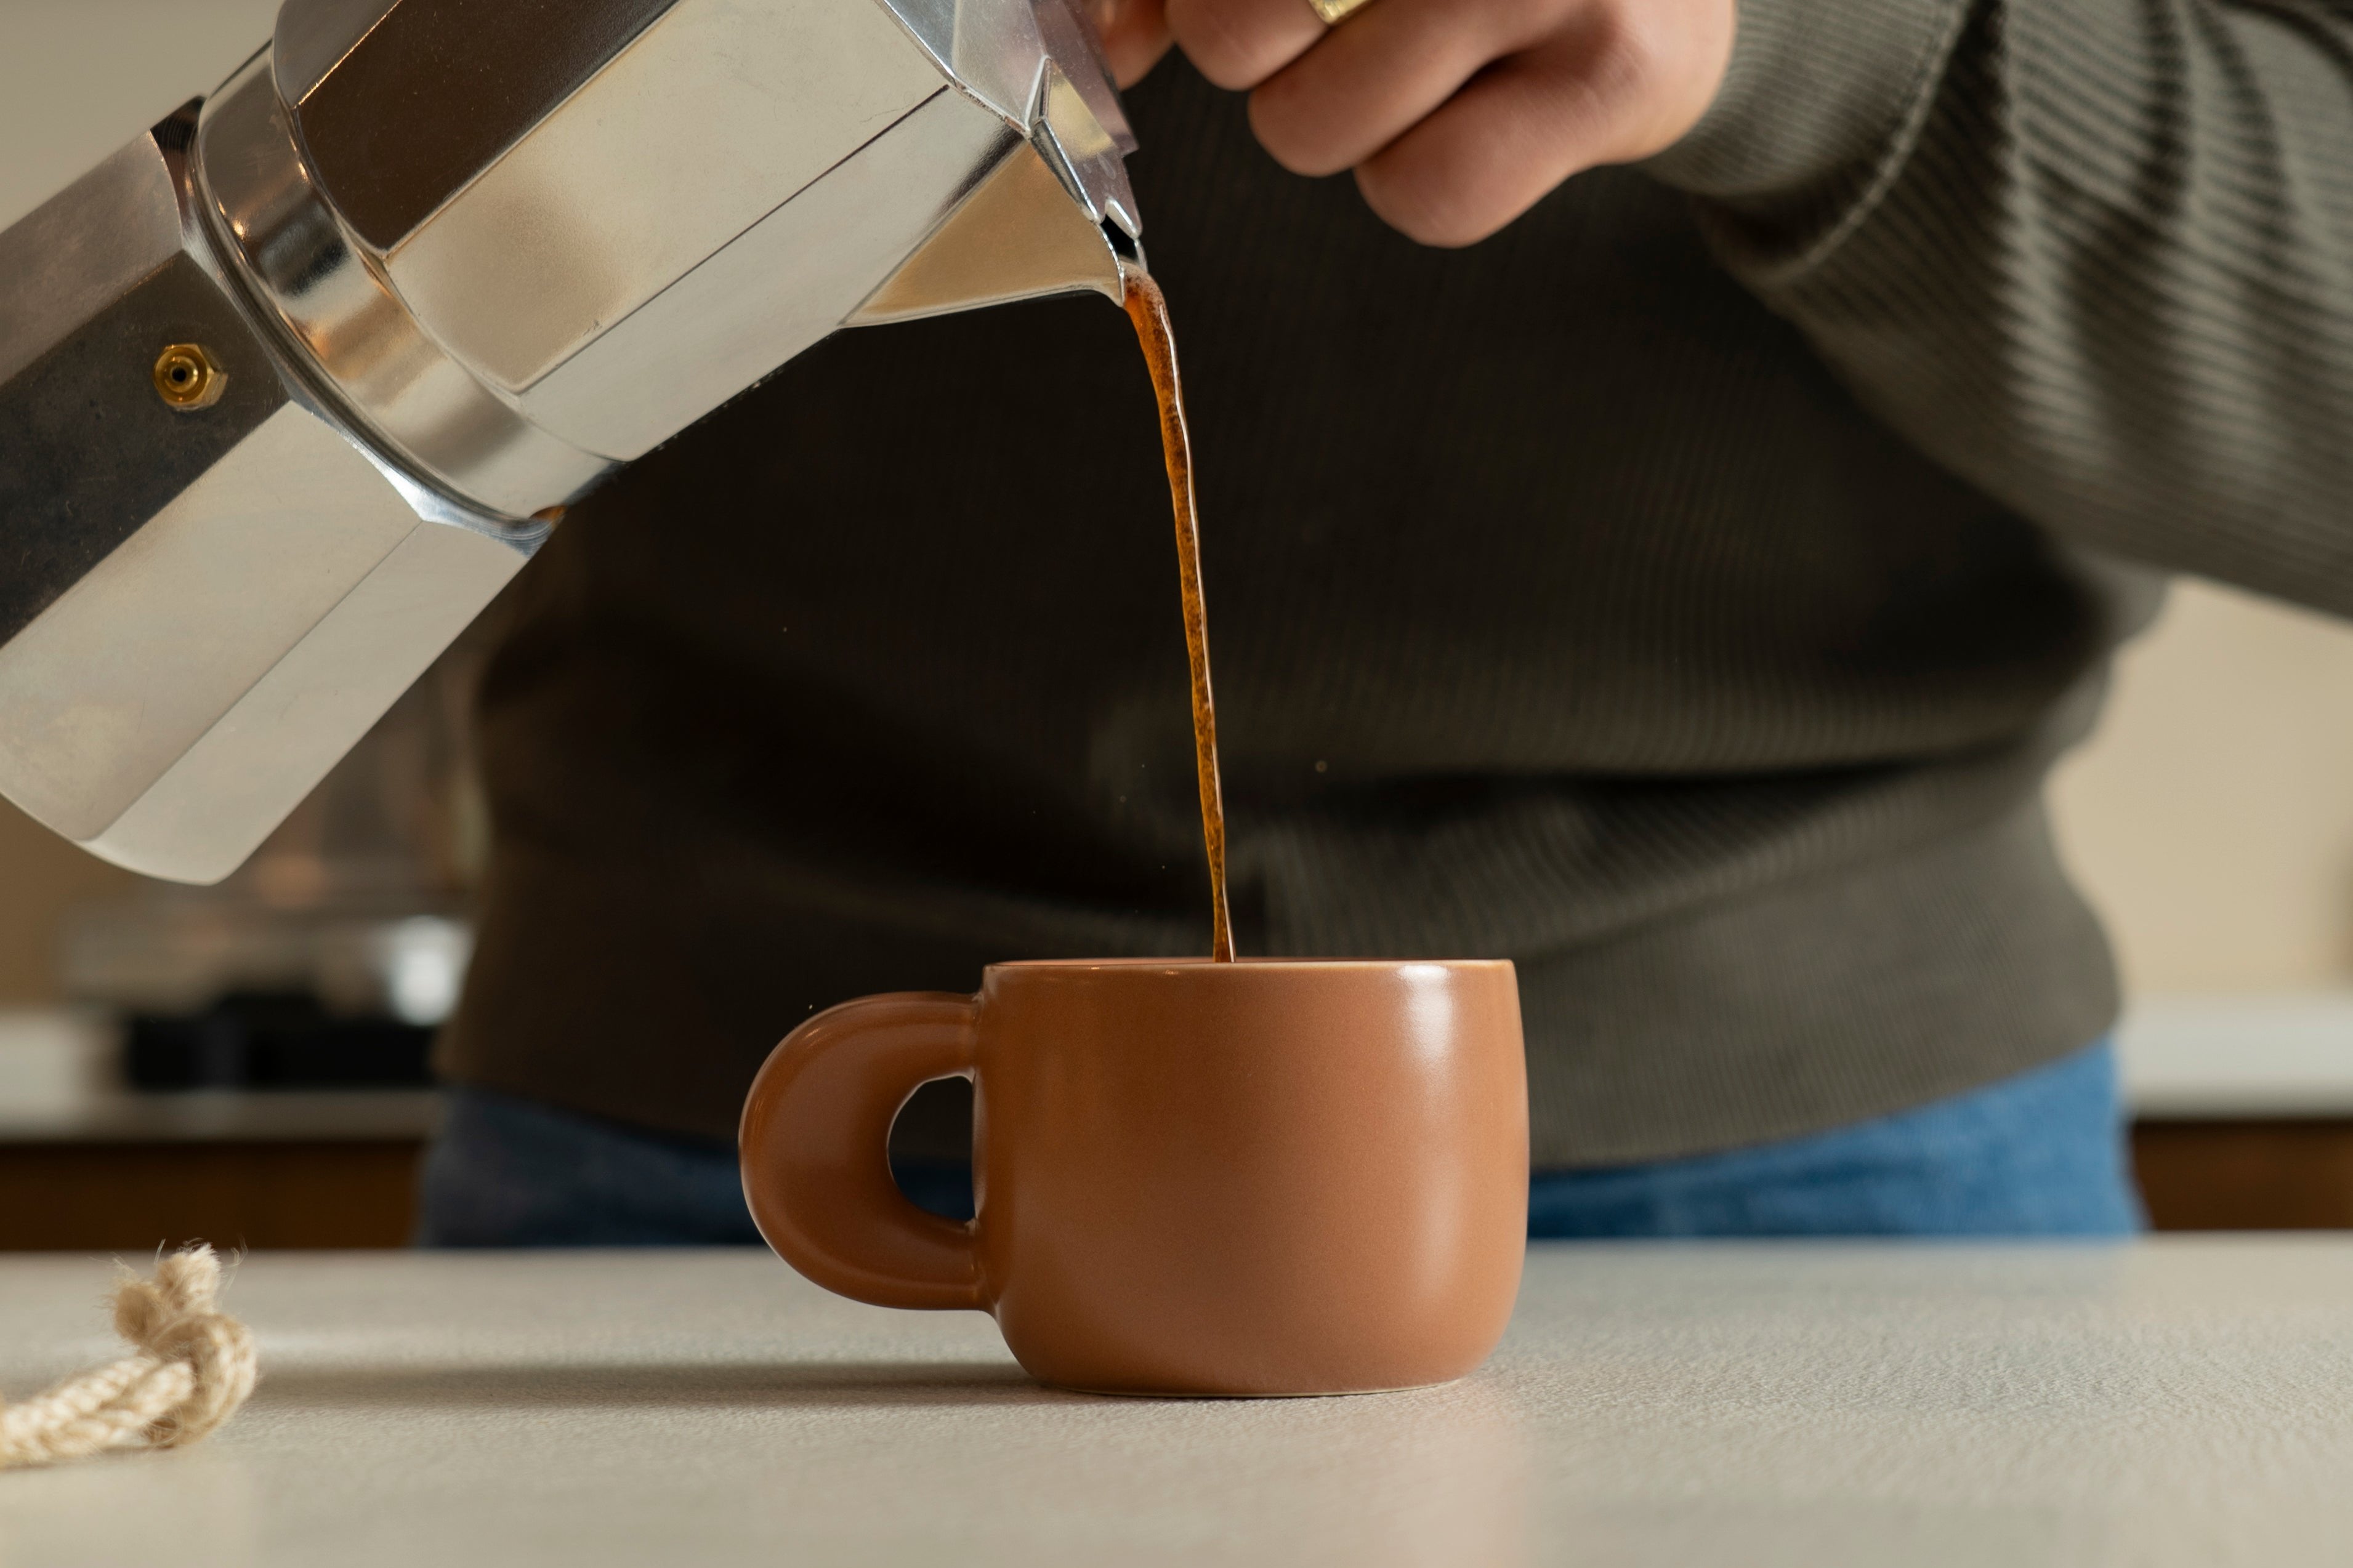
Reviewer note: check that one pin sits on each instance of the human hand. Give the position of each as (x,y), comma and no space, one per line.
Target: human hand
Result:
(1457,115)
(1134,35)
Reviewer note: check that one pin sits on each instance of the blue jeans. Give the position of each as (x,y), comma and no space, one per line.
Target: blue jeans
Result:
(2042,1153)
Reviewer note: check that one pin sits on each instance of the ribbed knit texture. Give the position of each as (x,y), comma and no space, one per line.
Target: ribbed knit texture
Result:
(2097,257)
(1700,646)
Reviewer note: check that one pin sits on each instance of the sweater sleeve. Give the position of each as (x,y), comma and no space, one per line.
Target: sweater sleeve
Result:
(2095,256)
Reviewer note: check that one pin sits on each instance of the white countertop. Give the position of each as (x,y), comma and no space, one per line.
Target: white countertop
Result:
(2265,1055)
(2173,1401)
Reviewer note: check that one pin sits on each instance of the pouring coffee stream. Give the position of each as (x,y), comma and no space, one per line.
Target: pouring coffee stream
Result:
(1148,309)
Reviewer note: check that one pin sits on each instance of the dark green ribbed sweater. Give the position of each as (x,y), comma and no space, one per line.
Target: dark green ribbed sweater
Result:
(1682,594)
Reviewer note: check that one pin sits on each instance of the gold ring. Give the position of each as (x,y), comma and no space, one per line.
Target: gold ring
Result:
(1335,12)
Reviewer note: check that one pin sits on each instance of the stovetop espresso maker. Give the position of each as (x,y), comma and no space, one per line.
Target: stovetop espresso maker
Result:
(291,386)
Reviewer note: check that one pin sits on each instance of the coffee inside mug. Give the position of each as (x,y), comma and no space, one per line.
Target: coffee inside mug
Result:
(1268,1177)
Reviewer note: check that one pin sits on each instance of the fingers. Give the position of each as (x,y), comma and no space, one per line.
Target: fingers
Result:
(1239,44)
(1386,68)
(1134,35)
(1606,91)
(1502,142)
(1457,115)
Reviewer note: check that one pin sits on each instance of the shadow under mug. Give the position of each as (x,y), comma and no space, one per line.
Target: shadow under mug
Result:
(1269,1177)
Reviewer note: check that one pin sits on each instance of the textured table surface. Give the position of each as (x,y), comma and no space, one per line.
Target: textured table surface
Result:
(2174,1402)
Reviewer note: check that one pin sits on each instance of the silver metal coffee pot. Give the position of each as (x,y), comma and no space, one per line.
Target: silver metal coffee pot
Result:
(291,386)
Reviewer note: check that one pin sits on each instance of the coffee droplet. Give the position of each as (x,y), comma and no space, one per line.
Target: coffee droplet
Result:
(186,378)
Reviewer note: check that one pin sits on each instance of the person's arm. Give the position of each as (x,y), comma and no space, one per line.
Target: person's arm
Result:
(2095,256)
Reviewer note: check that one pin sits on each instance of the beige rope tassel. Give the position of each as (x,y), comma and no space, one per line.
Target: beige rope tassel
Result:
(194,1367)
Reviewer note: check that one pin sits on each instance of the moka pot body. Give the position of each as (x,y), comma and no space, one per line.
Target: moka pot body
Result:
(292,385)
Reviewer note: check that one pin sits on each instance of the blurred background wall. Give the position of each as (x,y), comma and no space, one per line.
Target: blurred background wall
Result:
(2212,815)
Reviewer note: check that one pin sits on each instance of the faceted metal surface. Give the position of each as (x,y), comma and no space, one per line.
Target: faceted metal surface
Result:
(302,265)
(1016,236)
(666,200)
(715,116)
(786,283)
(101,282)
(453,260)
(399,106)
(211,604)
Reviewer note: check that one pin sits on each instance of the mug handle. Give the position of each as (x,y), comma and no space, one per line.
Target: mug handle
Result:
(815,1151)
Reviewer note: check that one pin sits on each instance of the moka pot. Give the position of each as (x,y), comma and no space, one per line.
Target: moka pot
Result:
(291,386)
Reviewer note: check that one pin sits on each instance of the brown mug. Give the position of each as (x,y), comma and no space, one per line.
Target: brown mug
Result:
(1271,1177)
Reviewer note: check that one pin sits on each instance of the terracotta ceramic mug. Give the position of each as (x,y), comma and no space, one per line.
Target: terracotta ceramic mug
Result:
(1255,1178)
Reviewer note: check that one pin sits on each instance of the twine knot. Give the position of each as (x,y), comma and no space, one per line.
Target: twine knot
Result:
(194,1366)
